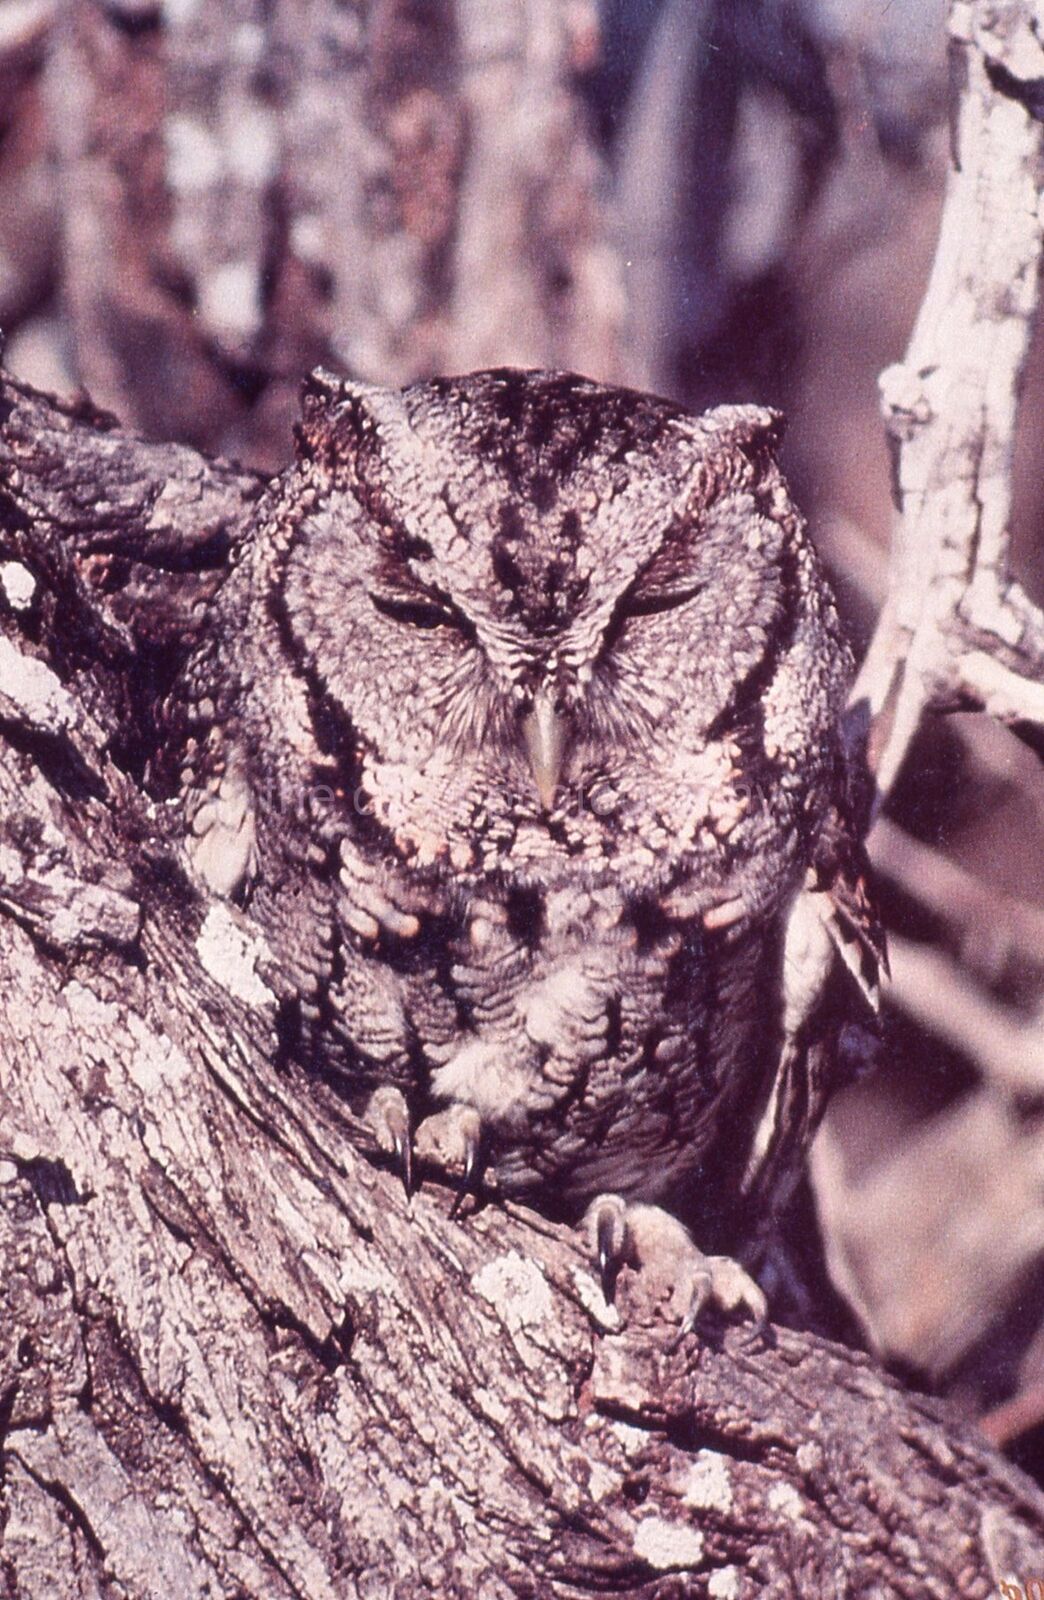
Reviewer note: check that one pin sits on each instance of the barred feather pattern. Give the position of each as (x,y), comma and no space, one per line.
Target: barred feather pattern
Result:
(517,729)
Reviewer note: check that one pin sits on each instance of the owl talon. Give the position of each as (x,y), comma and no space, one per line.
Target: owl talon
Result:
(671,1266)
(610,1240)
(472,1169)
(388,1116)
(404,1159)
(452,1141)
(724,1282)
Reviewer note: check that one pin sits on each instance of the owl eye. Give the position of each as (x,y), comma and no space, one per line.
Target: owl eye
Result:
(415,613)
(634,604)
(650,605)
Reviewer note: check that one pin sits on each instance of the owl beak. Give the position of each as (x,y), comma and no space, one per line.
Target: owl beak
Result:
(544,731)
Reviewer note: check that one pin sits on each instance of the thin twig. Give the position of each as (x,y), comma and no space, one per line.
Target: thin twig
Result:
(1010,927)
(933,989)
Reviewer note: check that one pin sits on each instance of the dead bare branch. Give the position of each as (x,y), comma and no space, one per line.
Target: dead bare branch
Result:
(949,406)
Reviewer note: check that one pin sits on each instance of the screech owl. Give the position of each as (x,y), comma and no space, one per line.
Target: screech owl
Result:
(517,730)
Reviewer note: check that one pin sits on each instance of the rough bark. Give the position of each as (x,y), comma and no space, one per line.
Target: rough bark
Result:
(234,1360)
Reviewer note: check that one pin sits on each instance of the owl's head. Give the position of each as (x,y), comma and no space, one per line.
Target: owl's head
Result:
(559,621)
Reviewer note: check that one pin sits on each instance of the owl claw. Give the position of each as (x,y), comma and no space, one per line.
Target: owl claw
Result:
(610,1241)
(672,1267)
(404,1158)
(389,1118)
(724,1283)
(452,1141)
(472,1151)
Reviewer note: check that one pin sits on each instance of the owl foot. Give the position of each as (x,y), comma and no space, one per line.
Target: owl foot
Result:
(388,1117)
(452,1141)
(673,1269)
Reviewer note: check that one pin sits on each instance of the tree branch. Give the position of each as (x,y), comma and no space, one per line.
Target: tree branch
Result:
(950,410)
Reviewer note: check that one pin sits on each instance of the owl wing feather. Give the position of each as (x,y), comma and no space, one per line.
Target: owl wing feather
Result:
(833,916)
(849,910)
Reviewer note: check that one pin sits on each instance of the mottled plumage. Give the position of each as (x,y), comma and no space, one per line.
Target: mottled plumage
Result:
(517,731)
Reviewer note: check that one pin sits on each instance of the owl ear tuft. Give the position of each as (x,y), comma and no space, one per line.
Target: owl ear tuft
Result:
(757,431)
(322,388)
(336,413)
(342,419)
(317,436)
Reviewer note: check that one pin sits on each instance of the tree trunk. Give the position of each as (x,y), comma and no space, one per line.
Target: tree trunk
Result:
(235,1360)
(251,189)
